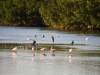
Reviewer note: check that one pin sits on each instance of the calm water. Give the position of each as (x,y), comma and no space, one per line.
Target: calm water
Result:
(85,59)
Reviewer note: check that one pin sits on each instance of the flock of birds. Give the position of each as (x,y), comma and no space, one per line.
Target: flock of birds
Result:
(52,50)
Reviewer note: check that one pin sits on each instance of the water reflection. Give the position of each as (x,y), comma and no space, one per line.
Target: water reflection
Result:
(14,55)
(59,65)
(32,59)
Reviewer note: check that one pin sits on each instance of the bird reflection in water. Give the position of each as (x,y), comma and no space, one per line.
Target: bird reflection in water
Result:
(70,58)
(14,55)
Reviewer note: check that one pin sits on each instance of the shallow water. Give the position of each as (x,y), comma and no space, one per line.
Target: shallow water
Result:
(23,62)
(20,35)
(83,60)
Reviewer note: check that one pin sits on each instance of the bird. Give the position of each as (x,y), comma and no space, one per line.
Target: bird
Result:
(52,38)
(34,48)
(14,49)
(34,42)
(52,49)
(43,49)
(70,50)
(72,42)
(28,38)
(87,39)
(43,36)
(35,36)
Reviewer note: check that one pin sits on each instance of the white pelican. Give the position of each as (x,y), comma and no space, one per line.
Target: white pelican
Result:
(52,49)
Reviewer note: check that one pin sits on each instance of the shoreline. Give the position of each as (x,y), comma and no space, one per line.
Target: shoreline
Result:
(44,43)
(83,28)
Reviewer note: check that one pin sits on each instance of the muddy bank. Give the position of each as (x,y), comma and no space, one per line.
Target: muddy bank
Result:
(29,45)
(74,27)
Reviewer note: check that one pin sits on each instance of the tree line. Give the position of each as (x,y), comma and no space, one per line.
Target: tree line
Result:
(51,13)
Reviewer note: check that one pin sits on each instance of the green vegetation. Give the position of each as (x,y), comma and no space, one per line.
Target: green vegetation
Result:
(66,14)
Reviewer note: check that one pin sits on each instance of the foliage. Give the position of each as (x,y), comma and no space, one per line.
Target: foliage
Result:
(20,12)
(50,12)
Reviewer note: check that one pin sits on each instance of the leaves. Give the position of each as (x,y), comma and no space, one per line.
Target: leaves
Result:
(51,12)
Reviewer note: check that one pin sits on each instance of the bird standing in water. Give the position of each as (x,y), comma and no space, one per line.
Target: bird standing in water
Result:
(70,50)
(43,49)
(87,39)
(28,38)
(34,48)
(52,38)
(34,42)
(52,49)
(72,42)
(14,49)
(43,36)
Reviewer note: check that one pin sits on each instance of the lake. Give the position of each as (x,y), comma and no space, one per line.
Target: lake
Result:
(83,60)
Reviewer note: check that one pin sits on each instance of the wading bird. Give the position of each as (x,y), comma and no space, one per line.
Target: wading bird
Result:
(43,36)
(35,36)
(34,48)
(14,49)
(52,50)
(70,50)
(52,38)
(28,38)
(43,49)
(34,42)
(87,39)
(72,42)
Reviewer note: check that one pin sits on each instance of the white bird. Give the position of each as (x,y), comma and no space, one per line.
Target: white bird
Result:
(14,49)
(28,38)
(70,50)
(87,39)
(34,48)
